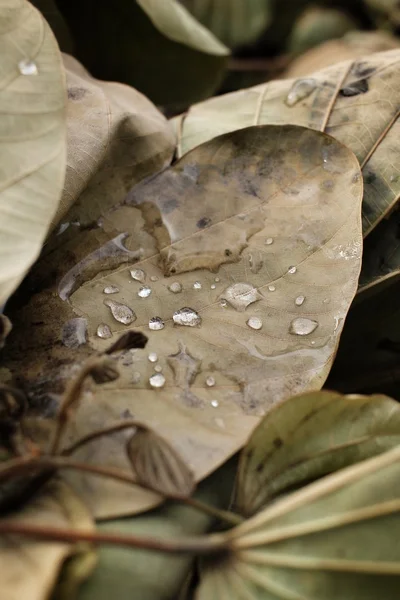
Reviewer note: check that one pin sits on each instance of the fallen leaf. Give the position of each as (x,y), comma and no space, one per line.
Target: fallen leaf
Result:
(33,140)
(310,436)
(147,40)
(254,236)
(29,568)
(332,539)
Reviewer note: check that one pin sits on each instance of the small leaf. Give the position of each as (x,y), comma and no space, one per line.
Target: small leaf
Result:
(310,436)
(158,466)
(335,538)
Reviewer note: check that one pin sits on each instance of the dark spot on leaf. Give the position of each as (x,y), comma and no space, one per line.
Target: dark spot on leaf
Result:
(278,442)
(228,252)
(128,340)
(76,93)
(169,205)
(328,185)
(249,188)
(204,222)
(369,178)
(353,89)
(361,70)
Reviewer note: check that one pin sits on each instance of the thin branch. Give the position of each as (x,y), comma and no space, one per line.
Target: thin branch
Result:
(120,426)
(335,94)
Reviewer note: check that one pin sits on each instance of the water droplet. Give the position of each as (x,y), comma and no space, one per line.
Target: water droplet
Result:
(121,312)
(156,323)
(175,287)
(187,316)
(74,332)
(292,270)
(299,300)
(103,331)
(138,275)
(300,90)
(210,381)
(271,288)
(302,326)
(214,403)
(144,291)
(157,380)
(153,357)
(111,289)
(27,67)
(213,286)
(135,377)
(197,285)
(154,278)
(158,368)
(241,295)
(269,241)
(254,323)
(217,279)
(223,303)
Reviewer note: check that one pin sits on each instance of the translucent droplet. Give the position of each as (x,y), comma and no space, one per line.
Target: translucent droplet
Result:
(271,288)
(214,403)
(292,270)
(135,377)
(197,285)
(154,278)
(103,331)
(299,300)
(121,312)
(269,241)
(217,279)
(111,289)
(210,381)
(144,291)
(138,275)
(213,286)
(157,380)
(300,90)
(187,316)
(158,368)
(241,295)
(27,67)
(74,333)
(156,323)
(153,357)
(303,326)
(254,323)
(223,303)
(175,287)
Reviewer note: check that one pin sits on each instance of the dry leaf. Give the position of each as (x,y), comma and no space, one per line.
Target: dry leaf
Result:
(309,436)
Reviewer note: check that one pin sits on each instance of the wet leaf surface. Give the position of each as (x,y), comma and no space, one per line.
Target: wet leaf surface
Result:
(33,140)
(332,539)
(221,256)
(310,436)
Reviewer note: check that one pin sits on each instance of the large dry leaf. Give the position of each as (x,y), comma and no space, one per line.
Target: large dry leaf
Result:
(356,102)
(256,231)
(33,140)
(309,436)
(336,538)
(29,568)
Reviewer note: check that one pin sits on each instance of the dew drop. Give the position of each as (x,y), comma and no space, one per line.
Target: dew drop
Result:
(241,295)
(210,381)
(302,326)
(27,67)
(156,323)
(300,90)
(213,286)
(223,303)
(121,312)
(254,323)
(138,275)
(217,279)
(158,368)
(292,270)
(214,403)
(154,278)
(111,289)
(299,300)
(103,331)
(153,357)
(197,285)
(157,380)
(144,291)
(269,241)
(186,316)
(271,288)
(175,287)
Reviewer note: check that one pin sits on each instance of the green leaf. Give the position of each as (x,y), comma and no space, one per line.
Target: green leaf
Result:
(33,139)
(154,45)
(310,436)
(336,538)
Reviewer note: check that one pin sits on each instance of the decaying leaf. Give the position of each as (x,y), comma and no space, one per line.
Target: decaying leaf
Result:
(332,539)
(157,465)
(310,436)
(342,100)
(250,259)
(33,138)
(28,568)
